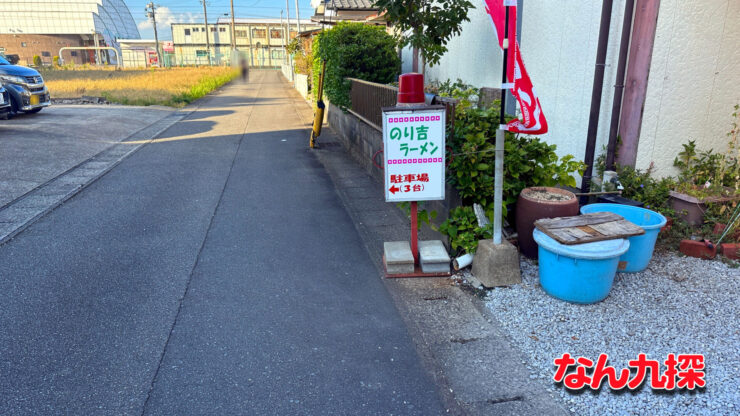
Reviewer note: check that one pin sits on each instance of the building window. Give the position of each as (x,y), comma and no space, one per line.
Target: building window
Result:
(259,33)
(222,29)
(241,33)
(276,53)
(187,32)
(276,33)
(213,29)
(46,54)
(195,29)
(23,44)
(201,52)
(73,53)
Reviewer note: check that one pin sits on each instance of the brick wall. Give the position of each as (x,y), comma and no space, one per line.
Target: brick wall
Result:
(26,46)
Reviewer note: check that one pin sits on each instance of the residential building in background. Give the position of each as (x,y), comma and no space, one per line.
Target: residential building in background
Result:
(43,27)
(260,41)
(330,12)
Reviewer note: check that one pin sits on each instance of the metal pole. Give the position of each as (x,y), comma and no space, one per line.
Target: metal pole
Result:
(593,120)
(282,26)
(298,16)
(624,46)
(414,232)
(208,42)
(153,12)
(287,16)
(498,179)
(233,32)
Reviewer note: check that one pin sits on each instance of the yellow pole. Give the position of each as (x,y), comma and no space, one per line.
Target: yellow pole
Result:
(319,112)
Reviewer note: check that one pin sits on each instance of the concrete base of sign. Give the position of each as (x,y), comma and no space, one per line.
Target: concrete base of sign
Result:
(433,257)
(496,265)
(398,257)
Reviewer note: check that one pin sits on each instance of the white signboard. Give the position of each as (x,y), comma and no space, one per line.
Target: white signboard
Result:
(414,152)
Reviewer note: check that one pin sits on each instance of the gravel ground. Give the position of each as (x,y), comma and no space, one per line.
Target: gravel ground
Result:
(677,305)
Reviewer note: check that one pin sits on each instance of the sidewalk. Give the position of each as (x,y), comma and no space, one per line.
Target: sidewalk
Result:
(479,370)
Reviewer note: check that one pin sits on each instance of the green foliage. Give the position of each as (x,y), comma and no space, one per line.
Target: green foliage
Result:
(294,46)
(528,161)
(705,173)
(422,216)
(354,50)
(463,230)
(55,62)
(425,24)
(466,94)
(641,186)
(36,61)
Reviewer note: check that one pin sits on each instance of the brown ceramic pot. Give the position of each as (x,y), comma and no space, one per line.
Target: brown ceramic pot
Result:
(540,202)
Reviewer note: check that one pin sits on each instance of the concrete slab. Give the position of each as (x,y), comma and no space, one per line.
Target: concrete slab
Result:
(497,264)
(398,257)
(433,257)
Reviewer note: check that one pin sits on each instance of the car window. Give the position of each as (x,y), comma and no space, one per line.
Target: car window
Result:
(3,61)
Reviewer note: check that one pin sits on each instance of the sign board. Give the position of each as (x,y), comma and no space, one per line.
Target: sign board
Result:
(168,46)
(414,152)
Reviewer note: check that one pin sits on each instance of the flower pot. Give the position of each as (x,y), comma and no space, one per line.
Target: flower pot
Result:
(691,209)
(537,203)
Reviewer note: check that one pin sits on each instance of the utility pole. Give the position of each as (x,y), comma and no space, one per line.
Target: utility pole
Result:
(208,42)
(285,51)
(151,10)
(233,31)
(298,16)
(287,16)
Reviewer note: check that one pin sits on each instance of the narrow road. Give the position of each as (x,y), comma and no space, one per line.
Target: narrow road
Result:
(214,271)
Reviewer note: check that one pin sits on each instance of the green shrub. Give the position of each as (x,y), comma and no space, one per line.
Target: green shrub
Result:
(463,230)
(55,62)
(354,50)
(36,61)
(528,161)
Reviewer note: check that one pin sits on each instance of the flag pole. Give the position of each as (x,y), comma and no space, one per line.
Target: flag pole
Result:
(500,138)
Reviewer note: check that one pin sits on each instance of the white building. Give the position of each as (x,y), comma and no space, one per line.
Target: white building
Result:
(42,27)
(692,83)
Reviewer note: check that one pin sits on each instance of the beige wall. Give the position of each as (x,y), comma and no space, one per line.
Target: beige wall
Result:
(694,80)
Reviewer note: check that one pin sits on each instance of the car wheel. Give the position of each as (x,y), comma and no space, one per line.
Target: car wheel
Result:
(13,108)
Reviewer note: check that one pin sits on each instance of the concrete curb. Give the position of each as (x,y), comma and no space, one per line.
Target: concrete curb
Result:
(23,211)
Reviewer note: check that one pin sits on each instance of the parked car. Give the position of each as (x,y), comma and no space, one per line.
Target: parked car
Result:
(4,103)
(25,86)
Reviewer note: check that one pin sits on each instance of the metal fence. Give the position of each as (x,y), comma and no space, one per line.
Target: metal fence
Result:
(368,98)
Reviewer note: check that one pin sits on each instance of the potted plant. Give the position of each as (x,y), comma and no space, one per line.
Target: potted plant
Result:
(706,178)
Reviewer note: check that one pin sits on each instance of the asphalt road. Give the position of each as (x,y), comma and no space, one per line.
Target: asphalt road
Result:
(214,271)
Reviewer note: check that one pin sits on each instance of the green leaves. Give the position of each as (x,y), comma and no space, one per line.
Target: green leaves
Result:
(463,231)
(354,50)
(426,24)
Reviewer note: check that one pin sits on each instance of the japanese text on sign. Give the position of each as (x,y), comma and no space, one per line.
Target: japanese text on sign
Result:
(414,149)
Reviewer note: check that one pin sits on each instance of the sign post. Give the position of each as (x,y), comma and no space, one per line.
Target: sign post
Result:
(414,153)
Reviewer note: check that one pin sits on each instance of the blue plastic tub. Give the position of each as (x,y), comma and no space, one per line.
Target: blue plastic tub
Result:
(641,246)
(581,273)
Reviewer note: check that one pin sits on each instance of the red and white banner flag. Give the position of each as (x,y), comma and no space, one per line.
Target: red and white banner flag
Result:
(533,119)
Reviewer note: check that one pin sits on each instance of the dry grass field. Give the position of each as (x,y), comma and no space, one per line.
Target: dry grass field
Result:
(173,87)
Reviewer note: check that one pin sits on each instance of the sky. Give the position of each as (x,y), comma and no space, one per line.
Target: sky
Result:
(185,11)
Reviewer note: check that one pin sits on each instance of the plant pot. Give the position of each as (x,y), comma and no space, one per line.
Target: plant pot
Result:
(536,203)
(691,209)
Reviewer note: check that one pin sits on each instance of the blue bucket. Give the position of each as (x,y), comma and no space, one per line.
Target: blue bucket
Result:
(581,273)
(641,246)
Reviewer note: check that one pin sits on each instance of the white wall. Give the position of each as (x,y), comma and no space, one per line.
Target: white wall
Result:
(694,80)
(474,56)
(693,83)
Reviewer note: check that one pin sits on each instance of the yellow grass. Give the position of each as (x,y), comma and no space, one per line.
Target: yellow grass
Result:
(172,86)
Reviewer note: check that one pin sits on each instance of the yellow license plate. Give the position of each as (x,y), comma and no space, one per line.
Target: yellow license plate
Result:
(35,100)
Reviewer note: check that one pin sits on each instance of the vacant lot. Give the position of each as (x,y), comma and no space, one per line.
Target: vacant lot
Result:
(173,86)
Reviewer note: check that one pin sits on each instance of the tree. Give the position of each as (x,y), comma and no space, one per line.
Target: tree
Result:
(36,61)
(426,24)
(354,50)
